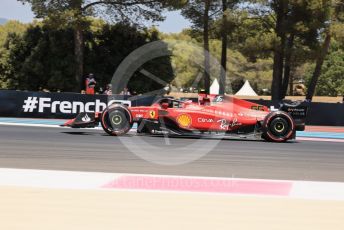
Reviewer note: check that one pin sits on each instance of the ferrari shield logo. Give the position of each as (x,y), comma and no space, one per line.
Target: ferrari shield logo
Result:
(152,114)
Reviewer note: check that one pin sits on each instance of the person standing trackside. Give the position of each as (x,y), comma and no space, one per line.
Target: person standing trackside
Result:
(108,90)
(125,91)
(90,84)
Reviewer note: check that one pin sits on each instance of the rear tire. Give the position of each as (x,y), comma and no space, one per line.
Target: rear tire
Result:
(116,120)
(278,127)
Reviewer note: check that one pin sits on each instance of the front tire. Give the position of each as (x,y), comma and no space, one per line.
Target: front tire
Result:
(116,120)
(278,127)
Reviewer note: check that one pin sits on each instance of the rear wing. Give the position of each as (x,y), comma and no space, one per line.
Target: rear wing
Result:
(298,110)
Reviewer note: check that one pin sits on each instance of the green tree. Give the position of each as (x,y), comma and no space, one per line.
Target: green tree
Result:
(42,58)
(246,33)
(293,20)
(75,13)
(185,62)
(9,29)
(112,43)
(227,26)
(202,13)
(185,59)
(336,17)
(331,81)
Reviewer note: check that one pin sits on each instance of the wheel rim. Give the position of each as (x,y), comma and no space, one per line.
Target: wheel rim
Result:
(279,127)
(117,120)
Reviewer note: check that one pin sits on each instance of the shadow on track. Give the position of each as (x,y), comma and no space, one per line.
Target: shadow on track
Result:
(78,133)
(195,137)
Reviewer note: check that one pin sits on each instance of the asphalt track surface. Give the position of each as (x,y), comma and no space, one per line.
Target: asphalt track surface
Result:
(92,150)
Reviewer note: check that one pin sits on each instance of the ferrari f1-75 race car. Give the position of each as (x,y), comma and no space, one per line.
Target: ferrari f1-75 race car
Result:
(211,115)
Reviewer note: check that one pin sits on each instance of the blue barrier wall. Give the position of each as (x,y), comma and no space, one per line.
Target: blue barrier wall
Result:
(60,105)
(67,105)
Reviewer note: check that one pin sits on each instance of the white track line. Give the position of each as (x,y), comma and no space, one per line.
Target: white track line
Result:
(44,126)
(53,179)
(318,190)
(31,125)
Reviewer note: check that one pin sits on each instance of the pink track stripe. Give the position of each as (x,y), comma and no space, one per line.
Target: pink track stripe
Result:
(319,139)
(234,186)
(325,129)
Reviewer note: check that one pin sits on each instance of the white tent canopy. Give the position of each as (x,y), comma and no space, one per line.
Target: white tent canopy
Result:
(246,90)
(215,87)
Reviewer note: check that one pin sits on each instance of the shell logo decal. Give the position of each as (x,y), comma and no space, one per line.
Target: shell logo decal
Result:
(184,120)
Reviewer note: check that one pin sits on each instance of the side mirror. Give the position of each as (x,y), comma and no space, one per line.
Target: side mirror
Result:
(164,105)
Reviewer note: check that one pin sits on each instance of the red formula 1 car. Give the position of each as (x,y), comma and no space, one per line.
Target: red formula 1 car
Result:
(212,115)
